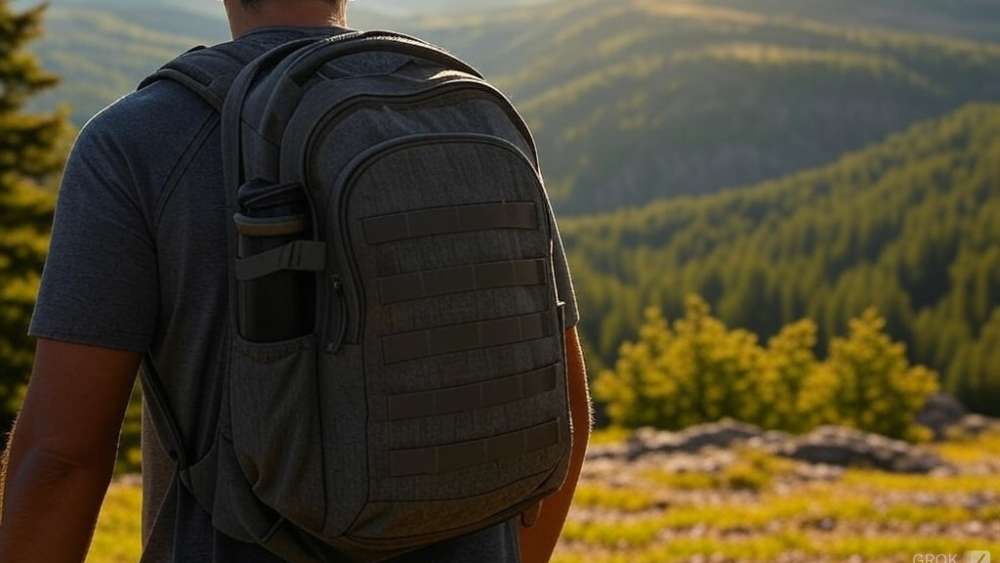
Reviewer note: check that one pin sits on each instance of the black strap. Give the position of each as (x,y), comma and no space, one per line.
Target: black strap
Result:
(466,398)
(467,336)
(451,220)
(300,255)
(435,460)
(447,281)
(155,397)
(208,72)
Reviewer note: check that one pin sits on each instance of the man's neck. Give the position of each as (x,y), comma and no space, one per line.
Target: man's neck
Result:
(278,14)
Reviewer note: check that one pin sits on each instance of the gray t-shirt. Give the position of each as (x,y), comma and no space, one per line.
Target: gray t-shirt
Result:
(137,263)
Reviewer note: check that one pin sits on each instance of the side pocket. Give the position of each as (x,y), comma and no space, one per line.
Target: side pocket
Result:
(276,428)
(277,255)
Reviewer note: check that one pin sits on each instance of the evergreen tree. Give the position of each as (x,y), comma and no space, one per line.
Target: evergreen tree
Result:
(698,370)
(876,388)
(32,152)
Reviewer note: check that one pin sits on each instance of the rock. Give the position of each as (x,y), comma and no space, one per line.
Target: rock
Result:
(645,441)
(836,445)
(941,412)
(773,442)
(720,434)
(972,425)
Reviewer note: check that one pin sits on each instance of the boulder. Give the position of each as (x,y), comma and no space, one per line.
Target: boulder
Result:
(720,434)
(835,445)
(941,412)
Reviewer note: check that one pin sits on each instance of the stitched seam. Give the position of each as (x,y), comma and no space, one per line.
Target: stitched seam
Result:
(181,167)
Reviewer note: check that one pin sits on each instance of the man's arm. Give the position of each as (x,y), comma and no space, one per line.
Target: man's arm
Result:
(539,540)
(62,453)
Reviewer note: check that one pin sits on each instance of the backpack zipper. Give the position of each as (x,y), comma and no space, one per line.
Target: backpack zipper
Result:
(340,312)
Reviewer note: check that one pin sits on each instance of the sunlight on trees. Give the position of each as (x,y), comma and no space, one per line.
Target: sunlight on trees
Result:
(698,370)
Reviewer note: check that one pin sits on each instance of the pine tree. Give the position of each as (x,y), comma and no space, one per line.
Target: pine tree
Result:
(32,152)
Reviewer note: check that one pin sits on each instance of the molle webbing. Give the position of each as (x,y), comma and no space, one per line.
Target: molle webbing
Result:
(474,396)
(451,220)
(461,337)
(451,457)
(431,283)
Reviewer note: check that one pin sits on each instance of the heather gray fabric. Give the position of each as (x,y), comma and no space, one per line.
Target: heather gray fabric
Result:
(138,231)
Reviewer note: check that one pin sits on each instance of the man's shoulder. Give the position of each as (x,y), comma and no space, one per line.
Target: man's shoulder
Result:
(151,121)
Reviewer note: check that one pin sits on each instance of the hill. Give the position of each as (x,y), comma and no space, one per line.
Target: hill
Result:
(911,226)
(635,100)
(643,99)
(971,19)
(103,49)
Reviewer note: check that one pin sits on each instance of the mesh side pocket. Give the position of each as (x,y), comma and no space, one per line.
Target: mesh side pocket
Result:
(276,428)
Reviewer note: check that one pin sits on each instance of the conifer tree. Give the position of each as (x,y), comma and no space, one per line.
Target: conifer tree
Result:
(32,152)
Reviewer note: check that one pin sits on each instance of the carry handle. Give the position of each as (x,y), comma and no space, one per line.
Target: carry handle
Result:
(384,42)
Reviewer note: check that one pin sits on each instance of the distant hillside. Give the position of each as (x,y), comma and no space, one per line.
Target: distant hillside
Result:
(911,226)
(102,55)
(971,19)
(633,100)
(642,99)
(102,49)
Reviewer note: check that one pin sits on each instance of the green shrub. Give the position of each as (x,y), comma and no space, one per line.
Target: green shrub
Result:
(697,370)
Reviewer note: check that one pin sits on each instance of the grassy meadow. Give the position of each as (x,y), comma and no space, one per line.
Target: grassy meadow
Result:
(758,509)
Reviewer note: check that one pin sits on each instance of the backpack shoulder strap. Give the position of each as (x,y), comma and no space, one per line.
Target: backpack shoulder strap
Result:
(207,71)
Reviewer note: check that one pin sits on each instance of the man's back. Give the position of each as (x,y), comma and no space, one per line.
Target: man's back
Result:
(142,198)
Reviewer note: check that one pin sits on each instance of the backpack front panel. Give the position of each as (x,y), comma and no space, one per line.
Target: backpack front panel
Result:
(450,242)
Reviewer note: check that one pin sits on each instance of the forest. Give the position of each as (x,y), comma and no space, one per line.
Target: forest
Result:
(908,227)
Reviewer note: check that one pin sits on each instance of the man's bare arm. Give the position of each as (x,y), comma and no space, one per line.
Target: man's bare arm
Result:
(61,455)
(539,540)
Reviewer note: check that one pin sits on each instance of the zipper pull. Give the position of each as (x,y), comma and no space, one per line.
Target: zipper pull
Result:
(333,346)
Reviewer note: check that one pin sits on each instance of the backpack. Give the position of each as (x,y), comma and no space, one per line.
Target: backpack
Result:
(396,357)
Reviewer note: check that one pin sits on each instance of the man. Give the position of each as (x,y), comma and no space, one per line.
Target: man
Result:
(137,264)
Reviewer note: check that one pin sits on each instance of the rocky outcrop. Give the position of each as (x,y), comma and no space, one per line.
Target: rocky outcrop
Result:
(643,441)
(834,445)
(829,445)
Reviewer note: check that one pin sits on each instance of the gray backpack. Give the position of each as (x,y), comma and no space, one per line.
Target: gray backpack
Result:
(396,367)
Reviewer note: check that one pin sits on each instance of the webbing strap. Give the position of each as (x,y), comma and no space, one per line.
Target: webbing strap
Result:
(451,220)
(474,396)
(300,255)
(467,336)
(208,72)
(420,285)
(443,459)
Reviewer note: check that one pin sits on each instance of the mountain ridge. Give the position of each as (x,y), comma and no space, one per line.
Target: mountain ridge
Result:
(908,226)
(631,101)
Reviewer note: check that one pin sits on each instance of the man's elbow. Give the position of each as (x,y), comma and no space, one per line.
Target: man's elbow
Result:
(49,463)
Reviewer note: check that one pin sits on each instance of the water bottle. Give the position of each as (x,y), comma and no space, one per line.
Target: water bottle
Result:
(279,306)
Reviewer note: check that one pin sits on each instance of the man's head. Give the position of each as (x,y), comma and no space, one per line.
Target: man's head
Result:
(246,15)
